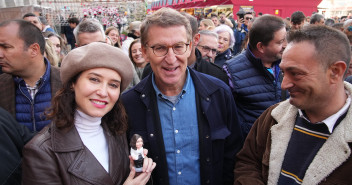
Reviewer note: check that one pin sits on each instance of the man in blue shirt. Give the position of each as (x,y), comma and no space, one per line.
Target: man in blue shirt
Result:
(188,120)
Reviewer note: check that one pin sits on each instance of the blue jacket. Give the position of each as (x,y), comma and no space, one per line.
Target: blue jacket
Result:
(220,136)
(240,35)
(29,112)
(254,87)
(221,58)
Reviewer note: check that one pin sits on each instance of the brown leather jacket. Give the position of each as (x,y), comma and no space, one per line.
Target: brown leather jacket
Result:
(56,156)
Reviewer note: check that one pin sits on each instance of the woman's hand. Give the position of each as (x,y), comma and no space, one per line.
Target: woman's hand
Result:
(142,177)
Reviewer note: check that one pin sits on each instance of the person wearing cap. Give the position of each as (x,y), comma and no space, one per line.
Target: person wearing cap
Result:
(29,81)
(134,33)
(187,119)
(86,141)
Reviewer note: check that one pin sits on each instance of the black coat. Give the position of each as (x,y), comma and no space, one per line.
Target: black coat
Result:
(13,136)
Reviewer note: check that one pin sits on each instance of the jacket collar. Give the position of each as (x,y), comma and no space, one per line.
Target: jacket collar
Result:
(226,55)
(257,62)
(68,140)
(145,87)
(332,154)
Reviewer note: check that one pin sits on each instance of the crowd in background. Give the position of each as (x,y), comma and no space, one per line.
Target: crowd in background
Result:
(250,86)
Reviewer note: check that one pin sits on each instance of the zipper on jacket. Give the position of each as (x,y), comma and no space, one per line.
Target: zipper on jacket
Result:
(32,108)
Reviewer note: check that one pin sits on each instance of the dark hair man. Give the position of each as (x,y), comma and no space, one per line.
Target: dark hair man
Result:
(67,31)
(317,19)
(187,119)
(306,139)
(255,73)
(28,82)
(32,18)
(215,20)
(297,20)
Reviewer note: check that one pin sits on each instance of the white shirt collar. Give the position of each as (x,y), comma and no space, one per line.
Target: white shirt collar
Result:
(331,120)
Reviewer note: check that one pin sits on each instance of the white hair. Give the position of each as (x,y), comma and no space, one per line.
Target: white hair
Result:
(225,28)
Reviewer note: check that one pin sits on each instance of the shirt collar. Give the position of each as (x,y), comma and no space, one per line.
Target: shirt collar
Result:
(331,121)
(185,88)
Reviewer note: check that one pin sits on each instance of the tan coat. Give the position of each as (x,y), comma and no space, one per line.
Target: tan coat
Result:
(260,160)
(56,156)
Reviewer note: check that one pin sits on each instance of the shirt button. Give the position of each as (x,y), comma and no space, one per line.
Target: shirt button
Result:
(151,135)
(176,131)
(207,137)
(179,173)
(207,99)
(174,108)
(208,159)
(178,151)
(143,95)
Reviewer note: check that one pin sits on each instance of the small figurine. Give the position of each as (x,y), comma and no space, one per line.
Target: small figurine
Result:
(137,152)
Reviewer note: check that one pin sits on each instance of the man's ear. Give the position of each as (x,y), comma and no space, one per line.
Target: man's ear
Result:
(260,47)
(196,39)
(34,50)
(337,71)
(144,53)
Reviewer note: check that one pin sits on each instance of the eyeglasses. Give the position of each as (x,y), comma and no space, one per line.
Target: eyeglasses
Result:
(208,49)
(249,18)
(161,50)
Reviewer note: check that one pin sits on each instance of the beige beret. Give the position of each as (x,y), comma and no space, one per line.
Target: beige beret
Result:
(96,55)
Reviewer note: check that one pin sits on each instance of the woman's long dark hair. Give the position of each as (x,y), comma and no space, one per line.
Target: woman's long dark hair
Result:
(63,108)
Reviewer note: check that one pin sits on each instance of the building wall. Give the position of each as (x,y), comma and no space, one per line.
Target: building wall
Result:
(282,8)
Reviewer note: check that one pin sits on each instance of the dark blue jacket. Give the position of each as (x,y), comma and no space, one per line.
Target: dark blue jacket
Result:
(13,137)
(220,136)
(240,35)
(29,112)
(221,58)
(254,87)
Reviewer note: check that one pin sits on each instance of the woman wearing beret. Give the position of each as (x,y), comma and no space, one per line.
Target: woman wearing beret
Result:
(86,141)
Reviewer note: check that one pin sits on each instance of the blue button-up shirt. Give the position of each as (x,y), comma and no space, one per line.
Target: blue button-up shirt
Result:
(179,123)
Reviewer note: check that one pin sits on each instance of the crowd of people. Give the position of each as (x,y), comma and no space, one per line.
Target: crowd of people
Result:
(256,100)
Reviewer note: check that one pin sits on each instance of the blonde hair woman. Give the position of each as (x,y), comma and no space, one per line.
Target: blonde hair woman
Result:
(206,24)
